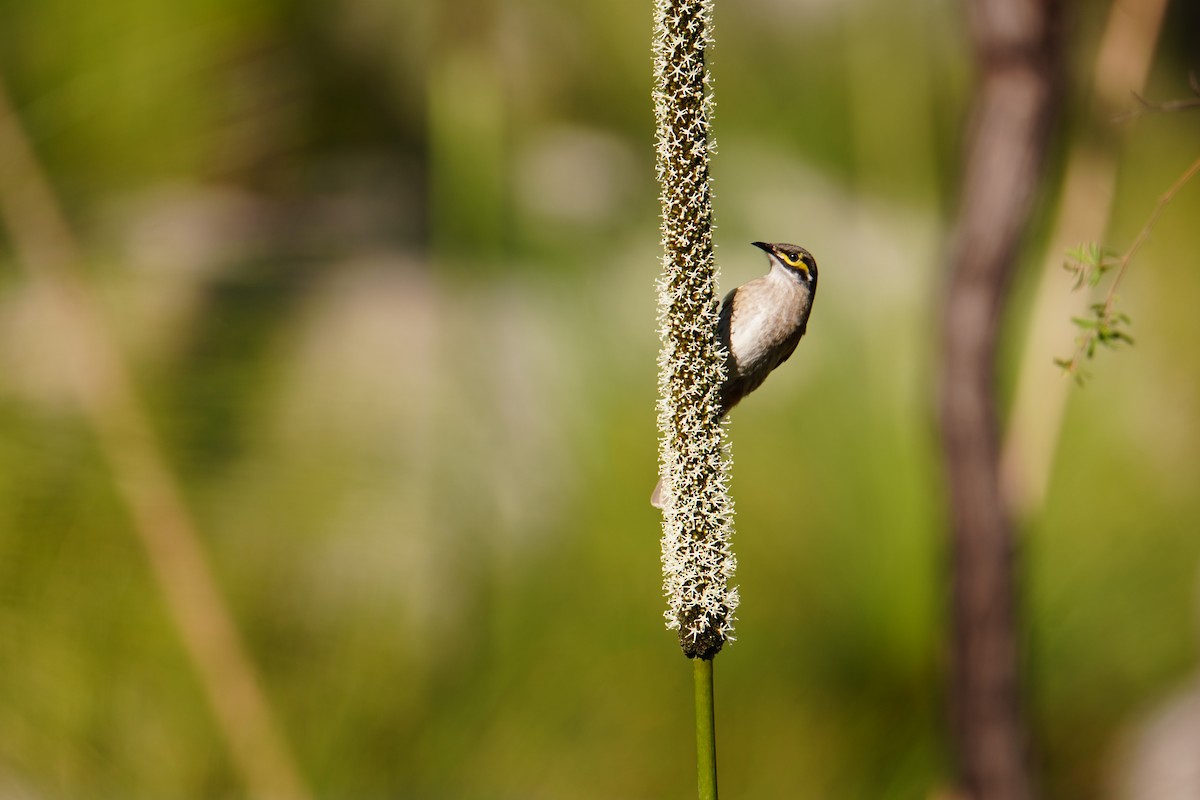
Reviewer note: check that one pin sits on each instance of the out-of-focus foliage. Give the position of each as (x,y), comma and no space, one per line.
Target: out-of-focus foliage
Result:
(385,274)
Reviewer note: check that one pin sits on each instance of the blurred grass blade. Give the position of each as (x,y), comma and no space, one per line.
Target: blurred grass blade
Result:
(99,378)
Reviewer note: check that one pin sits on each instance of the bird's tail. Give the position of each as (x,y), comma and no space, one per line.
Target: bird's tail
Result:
(656,499)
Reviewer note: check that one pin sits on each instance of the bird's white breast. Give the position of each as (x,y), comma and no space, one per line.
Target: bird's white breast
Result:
(763,315)
(746,337)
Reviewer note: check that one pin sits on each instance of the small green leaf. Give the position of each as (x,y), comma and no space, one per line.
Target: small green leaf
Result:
(1076,254)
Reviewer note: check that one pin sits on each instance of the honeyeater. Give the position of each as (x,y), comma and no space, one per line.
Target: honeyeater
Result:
(761,323)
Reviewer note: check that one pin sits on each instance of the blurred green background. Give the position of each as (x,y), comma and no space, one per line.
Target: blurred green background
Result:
(385,275)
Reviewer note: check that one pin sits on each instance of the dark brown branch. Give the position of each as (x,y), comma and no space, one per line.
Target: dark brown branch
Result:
(1016,43)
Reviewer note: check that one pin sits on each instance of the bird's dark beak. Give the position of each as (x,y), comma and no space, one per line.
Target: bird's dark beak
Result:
(764,246)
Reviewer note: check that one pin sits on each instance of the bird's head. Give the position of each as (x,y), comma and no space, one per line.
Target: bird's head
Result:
(795,260)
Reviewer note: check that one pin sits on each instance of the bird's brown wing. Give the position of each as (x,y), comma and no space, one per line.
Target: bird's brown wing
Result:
(725,321)
(733,389)
(786,352)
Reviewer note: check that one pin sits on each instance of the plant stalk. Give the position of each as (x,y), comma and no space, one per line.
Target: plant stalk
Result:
(706,730)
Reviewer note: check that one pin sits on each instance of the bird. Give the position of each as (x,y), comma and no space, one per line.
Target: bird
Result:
(761,322)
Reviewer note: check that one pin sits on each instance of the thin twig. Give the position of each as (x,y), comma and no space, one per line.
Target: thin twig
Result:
(1166,107)
(1144,233)
(1104,311)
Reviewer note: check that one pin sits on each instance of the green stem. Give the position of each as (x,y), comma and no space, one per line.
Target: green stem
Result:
(706,730)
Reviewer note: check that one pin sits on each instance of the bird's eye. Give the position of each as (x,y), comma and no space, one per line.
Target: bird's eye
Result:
(795,260)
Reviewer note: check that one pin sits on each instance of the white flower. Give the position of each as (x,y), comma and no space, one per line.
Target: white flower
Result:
(698,515)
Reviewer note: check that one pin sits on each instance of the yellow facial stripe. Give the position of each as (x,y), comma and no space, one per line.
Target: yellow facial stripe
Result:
(794,261)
